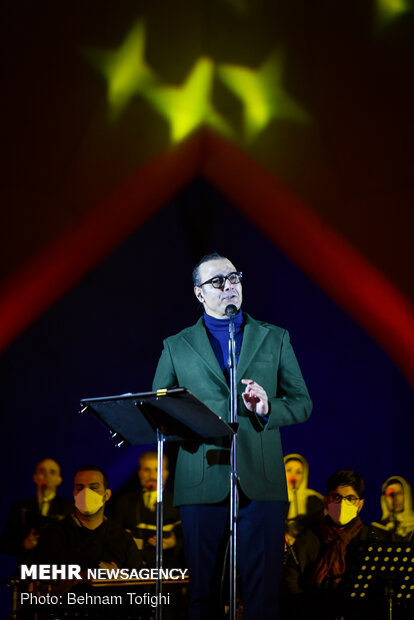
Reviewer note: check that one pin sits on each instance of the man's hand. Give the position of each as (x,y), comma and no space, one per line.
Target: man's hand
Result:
(168,542)
(255,397)
(31,539)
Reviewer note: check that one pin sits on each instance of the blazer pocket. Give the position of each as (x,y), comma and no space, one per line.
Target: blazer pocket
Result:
(272,456)
(189,470)
(264,357)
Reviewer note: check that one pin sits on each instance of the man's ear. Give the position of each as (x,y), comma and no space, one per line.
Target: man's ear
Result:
(198,293)
(361,503)
(107,494)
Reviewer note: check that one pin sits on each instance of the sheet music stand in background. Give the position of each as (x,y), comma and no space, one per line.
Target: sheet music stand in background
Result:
(382,570)
(149,417)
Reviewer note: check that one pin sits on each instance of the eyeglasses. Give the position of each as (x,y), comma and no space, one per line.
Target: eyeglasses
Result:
(219,281)
(350,500)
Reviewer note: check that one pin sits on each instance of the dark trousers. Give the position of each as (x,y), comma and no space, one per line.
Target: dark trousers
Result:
(260,546)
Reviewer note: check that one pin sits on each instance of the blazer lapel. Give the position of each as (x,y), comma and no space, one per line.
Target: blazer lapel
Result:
(253,337)
(198,341)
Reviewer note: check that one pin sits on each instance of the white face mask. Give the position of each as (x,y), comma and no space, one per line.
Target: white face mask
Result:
(342,513)
(88,502)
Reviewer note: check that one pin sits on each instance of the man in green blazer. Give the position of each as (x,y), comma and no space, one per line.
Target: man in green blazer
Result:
(271,393)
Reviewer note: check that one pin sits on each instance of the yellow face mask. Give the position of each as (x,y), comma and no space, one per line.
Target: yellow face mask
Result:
(88,502)
(342,513)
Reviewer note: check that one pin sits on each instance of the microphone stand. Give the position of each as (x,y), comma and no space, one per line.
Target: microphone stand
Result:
(394,522)
(295,500)
(42,498)
(231,311)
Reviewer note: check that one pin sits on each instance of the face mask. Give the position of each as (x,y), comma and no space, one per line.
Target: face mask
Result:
(88,502)
(342,513)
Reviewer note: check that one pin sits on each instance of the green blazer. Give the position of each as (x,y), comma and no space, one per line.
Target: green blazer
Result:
(202,471)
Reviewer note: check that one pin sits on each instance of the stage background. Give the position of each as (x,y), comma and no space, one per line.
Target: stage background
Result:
(108,200)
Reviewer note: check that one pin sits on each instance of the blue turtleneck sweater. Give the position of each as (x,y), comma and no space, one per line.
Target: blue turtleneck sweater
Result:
(218,334)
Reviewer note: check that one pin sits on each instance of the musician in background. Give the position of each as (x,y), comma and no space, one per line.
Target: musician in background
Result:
(87,537)
(28,517)
(305,505)
(136,513)
(397,521)
(314,574)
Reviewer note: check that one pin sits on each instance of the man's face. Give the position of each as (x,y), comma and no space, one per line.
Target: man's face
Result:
(294,474)
(394,497)
(90,480)
(148,470)
(215,300)
(47,476)
(348,492)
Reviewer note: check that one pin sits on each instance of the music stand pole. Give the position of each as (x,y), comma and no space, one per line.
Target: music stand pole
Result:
(159,522)
(234,499)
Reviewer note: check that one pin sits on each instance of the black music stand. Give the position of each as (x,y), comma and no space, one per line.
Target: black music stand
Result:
(382,570)
(149,417)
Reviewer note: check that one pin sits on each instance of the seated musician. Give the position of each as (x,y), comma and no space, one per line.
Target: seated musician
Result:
(136,513)
(305,505)
(397,521)
(87,537)
(314,573)
(28,517)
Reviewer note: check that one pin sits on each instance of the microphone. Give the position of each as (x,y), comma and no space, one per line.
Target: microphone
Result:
(150,485)
(293,482)
(231,311)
